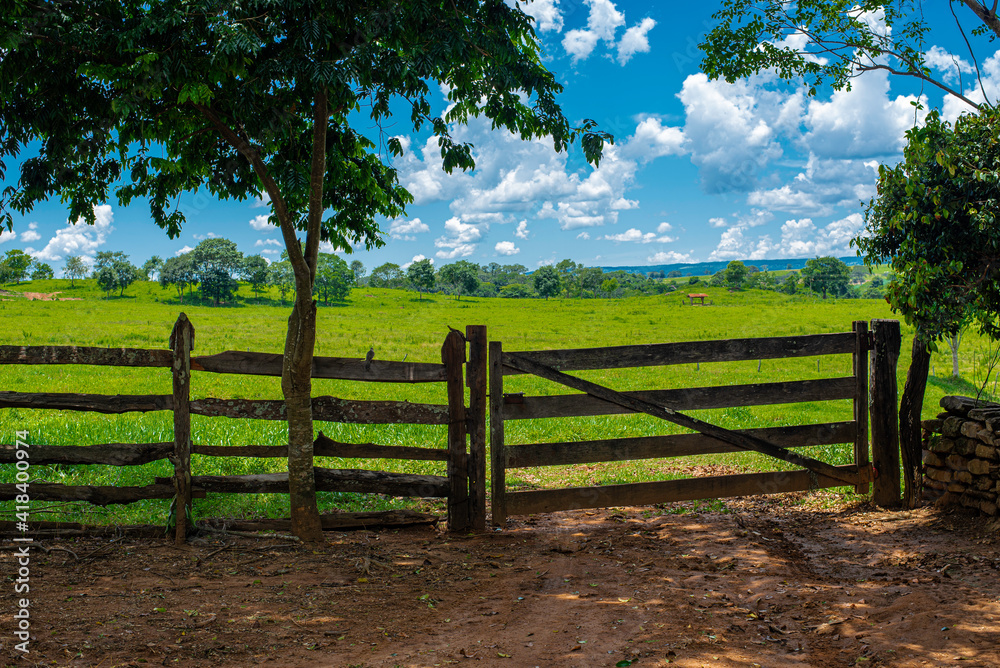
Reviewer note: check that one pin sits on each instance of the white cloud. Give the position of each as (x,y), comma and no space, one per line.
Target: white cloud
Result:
(460,239)
(263,200)
(79,239)
(269,253)
(802,238)
(990,71)
(6,236)
(546,13)
(602,23)
(951,66)
(186,249)
(327,247)
(733,245)
(207,235)
(635,40)
(416,258)
(260,223)
(268,242)
(637,236)
(31,234)
(522,230)
(716,222)
(663,228)
(668,257)
(583,235)
(506,248)
(652,139)
(406,230)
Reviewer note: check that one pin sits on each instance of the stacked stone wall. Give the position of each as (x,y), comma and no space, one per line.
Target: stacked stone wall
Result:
(962,455)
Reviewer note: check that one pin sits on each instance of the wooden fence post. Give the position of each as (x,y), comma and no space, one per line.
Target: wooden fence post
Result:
(498,453)
(476,380)
(182,343)
(884,412)
(861,351)
(453,357)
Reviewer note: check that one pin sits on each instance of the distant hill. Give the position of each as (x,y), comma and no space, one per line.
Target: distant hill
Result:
(709,268)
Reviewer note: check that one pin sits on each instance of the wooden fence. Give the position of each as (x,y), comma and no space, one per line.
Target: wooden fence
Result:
(464,486)
(778,441)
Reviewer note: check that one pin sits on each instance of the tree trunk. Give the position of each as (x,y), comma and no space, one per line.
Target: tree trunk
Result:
(910,404)
(954,341)
(296,385)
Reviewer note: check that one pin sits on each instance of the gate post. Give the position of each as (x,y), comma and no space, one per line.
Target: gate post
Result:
(182,343)
(453,357)
(476,380)
(884,412)
(862,458)
(498,453)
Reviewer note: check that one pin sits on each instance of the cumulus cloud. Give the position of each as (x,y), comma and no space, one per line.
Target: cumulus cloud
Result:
(506,248)
(6,236)
(634,235)
(188,249)
(31,234)
(952,67)
(268,242)
(801,238)
(583,235)
(990,89)
(716,222)
(669,257)
(407,230)
(652,139)
(261,223)
(546,13)
(416,258)
(522,230)
(635,40)
(79,238)
(460,239)
(603,21)
(663,228)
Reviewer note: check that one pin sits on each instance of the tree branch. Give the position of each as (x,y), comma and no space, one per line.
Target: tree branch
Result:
(321,119)
(987,16)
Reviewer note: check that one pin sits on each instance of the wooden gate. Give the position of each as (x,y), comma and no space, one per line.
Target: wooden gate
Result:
(667,404)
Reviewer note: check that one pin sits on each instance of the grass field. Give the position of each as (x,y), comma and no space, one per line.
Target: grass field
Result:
(399,324)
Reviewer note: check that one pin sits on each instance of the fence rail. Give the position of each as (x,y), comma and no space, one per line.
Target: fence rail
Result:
(552,364)
(463,486)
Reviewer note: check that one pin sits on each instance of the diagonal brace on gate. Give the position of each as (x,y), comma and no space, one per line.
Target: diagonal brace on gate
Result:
(740,440)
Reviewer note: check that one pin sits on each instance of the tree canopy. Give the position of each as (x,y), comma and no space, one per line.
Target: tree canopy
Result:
(262,97)
(826,275)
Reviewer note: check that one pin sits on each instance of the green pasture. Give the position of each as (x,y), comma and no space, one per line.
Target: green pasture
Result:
(399,324)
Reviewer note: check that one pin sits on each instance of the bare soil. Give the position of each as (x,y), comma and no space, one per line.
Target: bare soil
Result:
(764,582)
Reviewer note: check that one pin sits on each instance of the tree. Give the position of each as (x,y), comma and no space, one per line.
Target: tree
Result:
(14,266)
(609,286)
(734,274)
(75,268)
(547,281)
(262,98)
(151,266)
(387,275)
(333,278)
(216,262)
(253,270)
(421,275)
(826,274)
(934,221)
(829,42)
(462,276)
(358,268)
(41,271)
(281,276)
(114,272)
(179,272)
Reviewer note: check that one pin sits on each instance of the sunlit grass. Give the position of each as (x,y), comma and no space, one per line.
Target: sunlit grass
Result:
(399,325)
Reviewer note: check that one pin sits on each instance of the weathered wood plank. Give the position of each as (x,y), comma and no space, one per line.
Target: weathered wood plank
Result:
(326,409)
(84,355)
(181,345)
(72,529)
(99,496)
(328,480)
(884,412)
(678,445)
(759,394)
(860,366)
(325,446)
(342,368)
(745,441)
(453,357)
(668,491)
(498,454)
(476,379)
(690,352)
(95,403)
(111,454)
(334,521)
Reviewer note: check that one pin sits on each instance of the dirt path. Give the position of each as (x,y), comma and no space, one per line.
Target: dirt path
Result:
(765,583)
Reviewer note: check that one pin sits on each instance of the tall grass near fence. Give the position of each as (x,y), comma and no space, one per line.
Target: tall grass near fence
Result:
(399,325)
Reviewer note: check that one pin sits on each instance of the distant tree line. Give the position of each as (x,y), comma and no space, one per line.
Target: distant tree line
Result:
(215,267)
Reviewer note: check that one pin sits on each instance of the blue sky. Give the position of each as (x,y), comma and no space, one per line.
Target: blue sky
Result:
(701,170)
